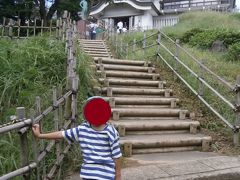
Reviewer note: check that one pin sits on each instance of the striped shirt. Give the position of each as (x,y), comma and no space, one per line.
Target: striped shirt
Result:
(99,148)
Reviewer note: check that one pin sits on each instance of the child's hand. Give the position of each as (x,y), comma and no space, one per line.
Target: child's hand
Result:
(36,130)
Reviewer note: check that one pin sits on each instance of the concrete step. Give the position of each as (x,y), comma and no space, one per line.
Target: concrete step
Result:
(129,74)
(121,62)
(132,82)
(125,68)
(134,144)
(111,91)
(117,113)
(126,127)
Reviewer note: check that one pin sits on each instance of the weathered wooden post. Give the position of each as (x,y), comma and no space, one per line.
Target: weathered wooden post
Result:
(10,33)
(159,44)
(23,142)
(28,26)
(175,66)
(50,28)
(38,112)
(144,44)
(42,22)
(3,27)
(56,122)
(35,147)
(19,28)
(237,120)
(34,28)
(201,75)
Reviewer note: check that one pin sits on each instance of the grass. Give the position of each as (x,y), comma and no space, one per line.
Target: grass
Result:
(205,20)
(30,68)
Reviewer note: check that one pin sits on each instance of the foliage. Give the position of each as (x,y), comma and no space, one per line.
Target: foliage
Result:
(234,52)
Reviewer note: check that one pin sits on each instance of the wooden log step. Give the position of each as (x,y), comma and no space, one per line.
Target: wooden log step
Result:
(130,74)
(96,51)
(90,40)
(99,55)
(92,46)
(162,132)
(117,113)
(142,101)
(131,82)
(132,142)
(112,91)
(98,48)
(153,125)
(125,68)
(120,61)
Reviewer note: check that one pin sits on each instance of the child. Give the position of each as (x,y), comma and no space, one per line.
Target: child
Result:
(99,142)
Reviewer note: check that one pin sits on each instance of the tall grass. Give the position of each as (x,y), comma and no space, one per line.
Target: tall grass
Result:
(30,68)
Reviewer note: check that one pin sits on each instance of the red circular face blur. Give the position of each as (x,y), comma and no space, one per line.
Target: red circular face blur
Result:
(97,111)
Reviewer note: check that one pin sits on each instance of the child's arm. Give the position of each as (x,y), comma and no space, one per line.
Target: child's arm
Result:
(117,168)
(52,135)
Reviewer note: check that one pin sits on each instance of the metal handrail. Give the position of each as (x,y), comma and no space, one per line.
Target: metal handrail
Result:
(197,94)
(199,78)
(220,79)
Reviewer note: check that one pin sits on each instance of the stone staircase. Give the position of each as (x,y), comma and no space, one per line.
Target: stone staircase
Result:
(144,111)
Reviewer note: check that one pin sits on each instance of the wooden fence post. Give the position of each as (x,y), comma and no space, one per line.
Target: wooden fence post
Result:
(237,120)
(19,28)
(38,112)
(23,142)
(10,33)
(56,122)
(42,27)
(28,29)
(35,147)
(35,26)
(3,27)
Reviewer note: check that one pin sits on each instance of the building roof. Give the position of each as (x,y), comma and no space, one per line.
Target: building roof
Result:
(141,5)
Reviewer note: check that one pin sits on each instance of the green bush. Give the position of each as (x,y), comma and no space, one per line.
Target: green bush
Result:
(234,52)
(189,34)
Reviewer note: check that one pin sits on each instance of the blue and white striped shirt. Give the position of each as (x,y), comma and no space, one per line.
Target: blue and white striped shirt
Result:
(99,148)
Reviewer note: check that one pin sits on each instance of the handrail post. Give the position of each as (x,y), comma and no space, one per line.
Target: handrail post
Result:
(201,85)
(144,44)
(23,142)
(159,41)
(134,47)
(127,51)
(121,49)
(237,120)
(175,66)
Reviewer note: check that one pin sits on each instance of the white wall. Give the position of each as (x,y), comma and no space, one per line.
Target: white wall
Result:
(147,20)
